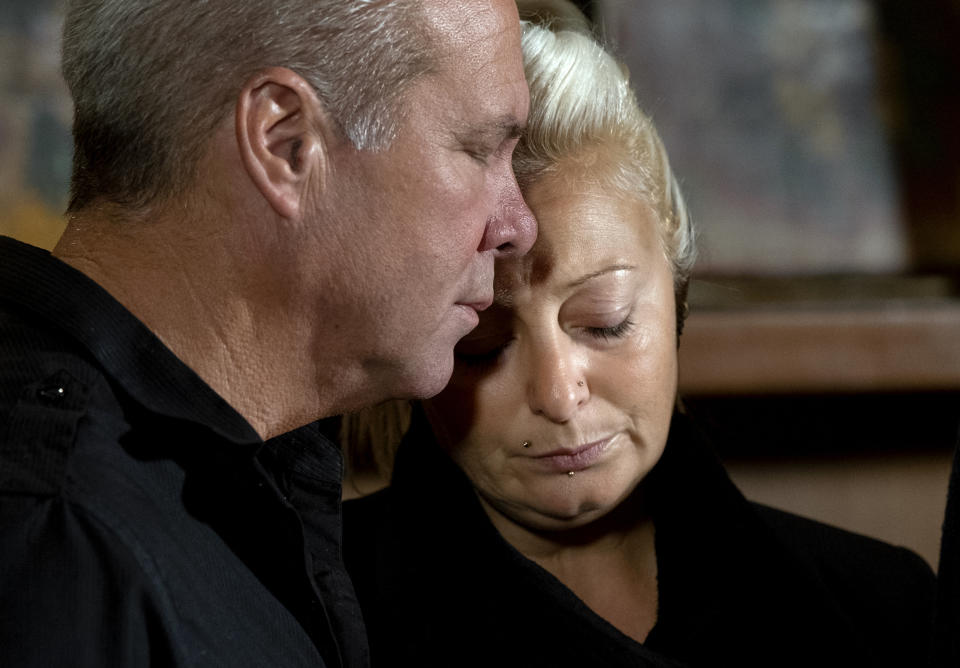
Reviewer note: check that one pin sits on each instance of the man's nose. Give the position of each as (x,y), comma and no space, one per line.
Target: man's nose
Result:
(513,229)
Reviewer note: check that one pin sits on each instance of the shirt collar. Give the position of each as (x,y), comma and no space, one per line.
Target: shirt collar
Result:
(34,281)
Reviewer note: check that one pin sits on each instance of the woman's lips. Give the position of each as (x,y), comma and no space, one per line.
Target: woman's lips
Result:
(564,461)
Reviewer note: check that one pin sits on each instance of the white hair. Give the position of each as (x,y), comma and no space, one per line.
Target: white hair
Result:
(582,108)
(151,79)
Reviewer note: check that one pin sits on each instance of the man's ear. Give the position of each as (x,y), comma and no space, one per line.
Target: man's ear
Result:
(282,132)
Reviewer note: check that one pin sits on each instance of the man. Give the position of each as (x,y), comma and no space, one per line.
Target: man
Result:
(280,211)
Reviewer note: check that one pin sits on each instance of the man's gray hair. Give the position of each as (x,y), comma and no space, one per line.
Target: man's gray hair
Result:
(151,79)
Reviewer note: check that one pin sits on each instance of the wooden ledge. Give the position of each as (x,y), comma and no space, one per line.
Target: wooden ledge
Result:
(889,347)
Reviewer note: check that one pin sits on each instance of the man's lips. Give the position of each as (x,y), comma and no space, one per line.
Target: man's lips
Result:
(478,305)
(564,460)
(472,308)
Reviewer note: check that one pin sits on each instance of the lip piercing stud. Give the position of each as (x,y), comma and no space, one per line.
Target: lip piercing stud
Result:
(526,444)
(571,473)
(579,383)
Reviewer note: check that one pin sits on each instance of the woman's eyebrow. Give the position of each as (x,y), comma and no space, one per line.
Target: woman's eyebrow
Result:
(599,272)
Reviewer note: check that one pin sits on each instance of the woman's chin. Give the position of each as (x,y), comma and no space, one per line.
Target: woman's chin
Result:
(570,504)
(570,512)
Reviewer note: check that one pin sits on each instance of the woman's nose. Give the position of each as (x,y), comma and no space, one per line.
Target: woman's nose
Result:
(556,386)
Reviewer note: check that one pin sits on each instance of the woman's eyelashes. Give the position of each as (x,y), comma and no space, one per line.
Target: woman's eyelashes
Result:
(618,331)
(481,353)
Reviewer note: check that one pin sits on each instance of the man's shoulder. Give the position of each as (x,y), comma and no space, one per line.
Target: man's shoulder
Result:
(61,424)
(31,347)
(65,575)
(26,334)
(47,385)
(73,563)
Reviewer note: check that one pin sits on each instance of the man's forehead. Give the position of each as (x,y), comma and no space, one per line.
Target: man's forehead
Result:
(457,24)
(480,64)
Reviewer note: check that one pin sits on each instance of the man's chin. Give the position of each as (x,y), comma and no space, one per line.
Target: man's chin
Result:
(427,377)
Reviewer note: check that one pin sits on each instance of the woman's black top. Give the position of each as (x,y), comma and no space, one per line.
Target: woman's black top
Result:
(739,584)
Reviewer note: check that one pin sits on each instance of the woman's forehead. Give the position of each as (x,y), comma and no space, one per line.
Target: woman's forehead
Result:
(586,222)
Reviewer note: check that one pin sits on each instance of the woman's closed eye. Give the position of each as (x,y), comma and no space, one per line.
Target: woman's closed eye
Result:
(617,331)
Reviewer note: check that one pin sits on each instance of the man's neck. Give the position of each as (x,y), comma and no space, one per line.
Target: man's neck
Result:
(207,306)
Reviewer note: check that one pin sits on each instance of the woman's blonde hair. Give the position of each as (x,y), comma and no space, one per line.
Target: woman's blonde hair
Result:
(581,108)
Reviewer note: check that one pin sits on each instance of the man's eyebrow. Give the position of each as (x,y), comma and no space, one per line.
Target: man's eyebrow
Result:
(606,270)
(514,130)
(503,128)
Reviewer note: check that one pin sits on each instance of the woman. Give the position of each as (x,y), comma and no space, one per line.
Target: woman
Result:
(551,507)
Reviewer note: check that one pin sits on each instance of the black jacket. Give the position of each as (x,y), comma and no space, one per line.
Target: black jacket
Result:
(739,584)
(946,647)
(142,520)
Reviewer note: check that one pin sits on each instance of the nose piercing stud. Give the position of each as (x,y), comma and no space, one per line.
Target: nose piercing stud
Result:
(526,444)
(579,383)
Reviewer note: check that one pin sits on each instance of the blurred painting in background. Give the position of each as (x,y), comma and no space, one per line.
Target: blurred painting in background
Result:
(770,113)
(810,136)
(35,117)
(787,124)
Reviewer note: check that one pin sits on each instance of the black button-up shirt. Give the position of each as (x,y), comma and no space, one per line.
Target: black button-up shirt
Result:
(142,519)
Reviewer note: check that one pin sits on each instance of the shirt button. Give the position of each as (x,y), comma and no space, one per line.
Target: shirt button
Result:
(52,393)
